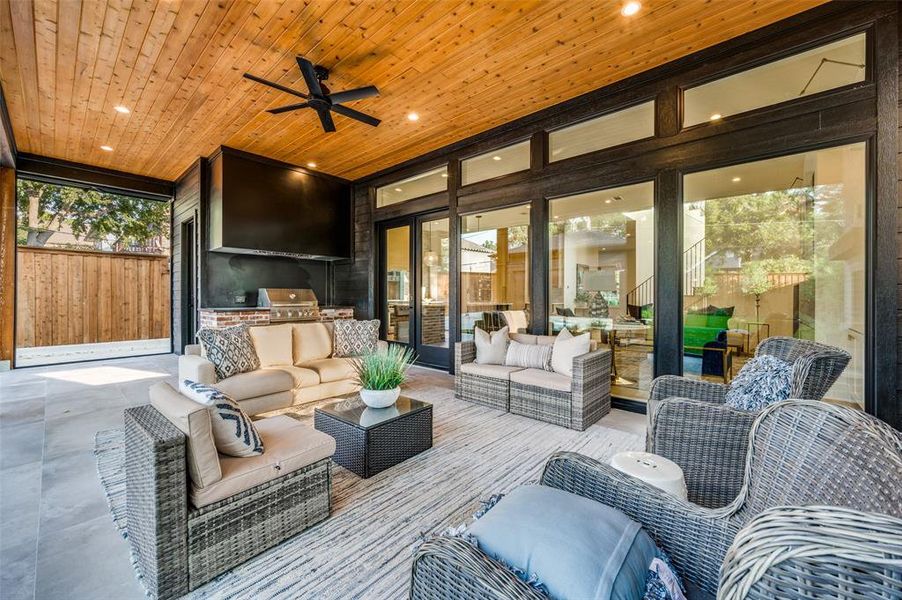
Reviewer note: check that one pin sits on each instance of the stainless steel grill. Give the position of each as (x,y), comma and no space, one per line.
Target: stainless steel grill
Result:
(288,304)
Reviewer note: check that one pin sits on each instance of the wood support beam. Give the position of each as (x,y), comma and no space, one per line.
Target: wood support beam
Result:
(7,266)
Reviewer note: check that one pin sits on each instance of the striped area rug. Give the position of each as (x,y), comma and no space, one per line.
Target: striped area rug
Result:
(364,549)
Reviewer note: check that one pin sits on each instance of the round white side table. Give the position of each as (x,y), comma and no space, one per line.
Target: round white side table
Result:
(652,469)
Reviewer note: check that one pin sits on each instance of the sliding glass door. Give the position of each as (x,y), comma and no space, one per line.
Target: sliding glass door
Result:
(776,248)
(494,271)
(601,265)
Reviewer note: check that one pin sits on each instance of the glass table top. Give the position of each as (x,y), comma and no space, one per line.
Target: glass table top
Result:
(353,411)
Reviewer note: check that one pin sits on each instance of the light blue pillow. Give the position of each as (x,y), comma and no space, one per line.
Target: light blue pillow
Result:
(577,548)
(762,381)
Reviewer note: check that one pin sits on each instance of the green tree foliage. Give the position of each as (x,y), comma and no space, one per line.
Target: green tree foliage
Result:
(109,221)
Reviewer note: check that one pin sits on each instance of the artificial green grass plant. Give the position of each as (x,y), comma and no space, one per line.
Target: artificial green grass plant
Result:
(384,370)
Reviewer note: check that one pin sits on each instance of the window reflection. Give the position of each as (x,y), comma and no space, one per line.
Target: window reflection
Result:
(776,248)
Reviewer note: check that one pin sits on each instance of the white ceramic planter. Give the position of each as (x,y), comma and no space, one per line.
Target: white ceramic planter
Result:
(380,398)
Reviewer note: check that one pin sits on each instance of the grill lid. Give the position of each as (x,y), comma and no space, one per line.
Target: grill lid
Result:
(272,297)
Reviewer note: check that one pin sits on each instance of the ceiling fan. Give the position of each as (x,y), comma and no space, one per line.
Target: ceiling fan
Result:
(320,98)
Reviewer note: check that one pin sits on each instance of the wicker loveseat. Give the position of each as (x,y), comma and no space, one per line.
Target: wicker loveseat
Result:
(183,536)
(575,402)
(819,516)
(689,423)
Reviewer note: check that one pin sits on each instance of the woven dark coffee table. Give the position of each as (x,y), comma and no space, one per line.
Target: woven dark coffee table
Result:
(370,440)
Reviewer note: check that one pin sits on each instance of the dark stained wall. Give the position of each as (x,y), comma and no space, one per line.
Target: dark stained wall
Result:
(185,206)
(229,275)
(354,279)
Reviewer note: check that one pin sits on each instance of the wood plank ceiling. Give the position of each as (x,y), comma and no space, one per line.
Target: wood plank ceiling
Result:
(463,66)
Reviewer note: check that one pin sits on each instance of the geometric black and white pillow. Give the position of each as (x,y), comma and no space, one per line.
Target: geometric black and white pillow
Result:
(230,349)
(233,431)
(354,338)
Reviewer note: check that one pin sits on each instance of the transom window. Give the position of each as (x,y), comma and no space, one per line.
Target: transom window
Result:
(627,125)
(496,163)
(416,186)
(824,68)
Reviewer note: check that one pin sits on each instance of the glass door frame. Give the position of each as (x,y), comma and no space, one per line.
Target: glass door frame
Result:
(427,355)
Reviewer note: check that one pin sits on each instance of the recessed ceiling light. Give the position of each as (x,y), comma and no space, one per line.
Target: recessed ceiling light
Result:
(413,116)
(444,174)
(312,165)
(398,190)
(107,148)
(716,117)
(630,8)
(122,109)
(608,201)
(603,249)
(737,179)
(496,158)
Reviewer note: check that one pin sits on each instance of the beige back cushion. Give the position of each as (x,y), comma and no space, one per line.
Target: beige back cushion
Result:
(193,420)
(528,338)
(273,344)
(311,341)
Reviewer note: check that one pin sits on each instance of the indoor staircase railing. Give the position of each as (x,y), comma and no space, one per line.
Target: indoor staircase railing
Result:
(693,276)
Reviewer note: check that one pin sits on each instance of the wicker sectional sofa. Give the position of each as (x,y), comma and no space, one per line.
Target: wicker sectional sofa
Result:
(575,402)
(297,366)
(183,534)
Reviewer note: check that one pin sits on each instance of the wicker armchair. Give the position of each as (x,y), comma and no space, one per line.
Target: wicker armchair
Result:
(800,527)
(689,423)
(178,547)
(584,402)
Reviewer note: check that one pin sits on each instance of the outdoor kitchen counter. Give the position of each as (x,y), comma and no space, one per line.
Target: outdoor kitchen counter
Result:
(252,315)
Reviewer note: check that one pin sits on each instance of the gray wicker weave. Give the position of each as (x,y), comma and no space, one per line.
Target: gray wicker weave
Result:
(178,547)
(801,453)
(689,423)
(370,449)
(780,554)
(588,400)
(486,391)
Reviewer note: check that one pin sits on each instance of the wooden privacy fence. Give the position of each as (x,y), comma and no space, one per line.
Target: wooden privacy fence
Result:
(78,297)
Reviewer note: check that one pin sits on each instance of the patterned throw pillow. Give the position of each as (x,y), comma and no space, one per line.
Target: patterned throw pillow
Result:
(528,356)
(354,338)
(761,382)
(233,431)
(230,349)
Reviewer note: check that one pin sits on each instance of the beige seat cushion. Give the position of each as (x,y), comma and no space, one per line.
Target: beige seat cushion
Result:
(311,341)
(493,371)
(255,383)
(332,369)
(301,376)
(325,390)
(262,404)
(273,344)
(192,419)
(289,446)
(541,378)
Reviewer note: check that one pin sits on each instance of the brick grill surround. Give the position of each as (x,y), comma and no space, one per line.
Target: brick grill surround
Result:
(211,317)
(226,318)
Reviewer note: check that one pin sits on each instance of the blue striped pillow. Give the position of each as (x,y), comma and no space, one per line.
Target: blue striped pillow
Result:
(233,431)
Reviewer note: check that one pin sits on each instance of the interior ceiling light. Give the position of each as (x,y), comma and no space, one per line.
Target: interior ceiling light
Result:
(608,201)
(106,148)
(122,109)
(737,179)
(716,117)
(312,165)
(496,158)
(630,8)
(398,190)
(413,116)
(444,174)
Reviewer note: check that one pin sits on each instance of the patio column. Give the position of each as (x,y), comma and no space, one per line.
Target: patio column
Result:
(7,265)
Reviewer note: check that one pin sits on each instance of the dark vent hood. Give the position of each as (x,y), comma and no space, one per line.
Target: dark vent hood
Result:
(260,206)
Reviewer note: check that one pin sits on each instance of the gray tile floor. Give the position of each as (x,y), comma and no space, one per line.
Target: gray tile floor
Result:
(56,536)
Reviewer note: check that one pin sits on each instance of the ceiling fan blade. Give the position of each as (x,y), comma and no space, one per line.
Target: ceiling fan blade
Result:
(325,118)
(309,76)
(356,114)
(277,86)
(355,94)
(290,107)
